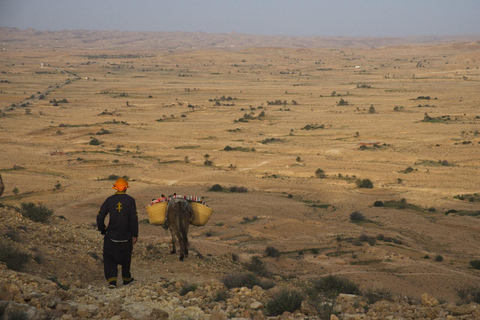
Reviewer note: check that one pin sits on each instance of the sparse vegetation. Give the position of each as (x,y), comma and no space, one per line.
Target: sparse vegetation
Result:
(35,212)
(13,257)
(285,300)
(187,288)
(319,173)
(238,280)
(356,216)
(272,252)
(331,286)
(257,266)
(365,183)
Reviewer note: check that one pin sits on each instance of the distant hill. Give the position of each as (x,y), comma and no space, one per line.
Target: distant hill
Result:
(83,39)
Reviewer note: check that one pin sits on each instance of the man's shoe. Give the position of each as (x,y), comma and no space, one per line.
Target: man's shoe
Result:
(127,281)
(112,284)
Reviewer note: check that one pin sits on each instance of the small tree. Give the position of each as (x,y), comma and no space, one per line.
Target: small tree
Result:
(365,183)
(15,191)
(319,173)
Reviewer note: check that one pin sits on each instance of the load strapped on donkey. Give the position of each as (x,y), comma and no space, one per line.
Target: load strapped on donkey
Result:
(177,213)
(157,210)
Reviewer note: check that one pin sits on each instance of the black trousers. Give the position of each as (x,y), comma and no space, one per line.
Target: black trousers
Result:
(114,254)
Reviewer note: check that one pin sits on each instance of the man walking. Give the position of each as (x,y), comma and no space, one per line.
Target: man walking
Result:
(120,234)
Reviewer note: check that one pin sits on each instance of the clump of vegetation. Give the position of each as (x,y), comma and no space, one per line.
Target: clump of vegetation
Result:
(35,212)
(243,149)
(357,216)
(475,264)
(313,127)
(319,173)
(285,300)
(207,162)
(342,102)
(272,252)
(469,294)
(439,258)
(331,286)
(216,188)
(222,295)
(103,131)
(475,197)
(238,189)
(94,142)
(115,177)
(365,183)
(271,140)
(238,280)
(187,288)
(14,258)
(257,266)
(378,203)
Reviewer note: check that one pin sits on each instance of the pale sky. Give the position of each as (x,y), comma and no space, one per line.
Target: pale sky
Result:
(393,18)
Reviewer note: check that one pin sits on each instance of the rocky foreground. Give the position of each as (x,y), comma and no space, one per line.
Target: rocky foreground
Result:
(62,280)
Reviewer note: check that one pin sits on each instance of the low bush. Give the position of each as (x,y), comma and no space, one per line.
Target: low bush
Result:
(257,266)
(475,264)
(35,212)
(438,258)
(468,294)
(187,288)
(319,173)
(365,183)
(239,280)
(331,286)
(272,252)
(216,188)
(356,216)
(14,258)
(238,189)
(284,300)
(222,295)
(378,203)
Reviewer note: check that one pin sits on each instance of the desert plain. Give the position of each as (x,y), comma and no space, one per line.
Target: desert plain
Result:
(285,130)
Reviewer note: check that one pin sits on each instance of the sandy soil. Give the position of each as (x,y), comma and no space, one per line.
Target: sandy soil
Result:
(163,111)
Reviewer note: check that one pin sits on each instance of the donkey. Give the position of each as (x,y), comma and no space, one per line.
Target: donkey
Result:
(179,215)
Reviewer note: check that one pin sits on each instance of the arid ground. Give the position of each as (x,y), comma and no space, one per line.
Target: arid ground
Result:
(80,109)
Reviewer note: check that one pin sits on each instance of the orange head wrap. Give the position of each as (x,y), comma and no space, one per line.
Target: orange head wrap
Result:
(121,184)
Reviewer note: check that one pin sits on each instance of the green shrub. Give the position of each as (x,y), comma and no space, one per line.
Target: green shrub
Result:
(272,252)
(187,288)
(239,280)
(222,295)
(469,294)
(356,216)
(438,258)
(14,258)
(35,212)
(94,142)
(331,286)
(284,300)
(378,203)
(238,189)
(475,264)
(319,173)
(216,188)
(266,284)
(258,267)
(365,183)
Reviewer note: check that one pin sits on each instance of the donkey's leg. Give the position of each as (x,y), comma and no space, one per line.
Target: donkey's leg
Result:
(174,249)
(185,239)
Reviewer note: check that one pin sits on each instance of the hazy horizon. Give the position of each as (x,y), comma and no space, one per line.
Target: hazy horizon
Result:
(350,18)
